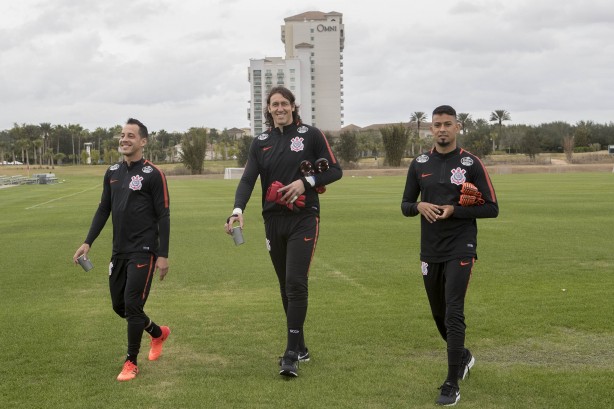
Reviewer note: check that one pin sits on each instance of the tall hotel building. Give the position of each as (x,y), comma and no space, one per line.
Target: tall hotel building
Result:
(312,70)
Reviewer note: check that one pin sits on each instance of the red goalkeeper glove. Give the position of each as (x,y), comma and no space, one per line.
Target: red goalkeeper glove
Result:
(274,195)
(470,195)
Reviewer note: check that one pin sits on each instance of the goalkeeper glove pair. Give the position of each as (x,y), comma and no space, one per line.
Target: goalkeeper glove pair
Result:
(274,195)
(470,195)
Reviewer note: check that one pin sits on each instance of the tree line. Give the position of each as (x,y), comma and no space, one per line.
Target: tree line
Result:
(478,136)
(45,144)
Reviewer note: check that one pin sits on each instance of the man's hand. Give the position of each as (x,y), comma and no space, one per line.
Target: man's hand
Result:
(292,191)
(162,266)
(83,250)
(230,221)
(433,212)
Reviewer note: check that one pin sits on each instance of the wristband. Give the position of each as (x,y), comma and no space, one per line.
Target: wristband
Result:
(308,181)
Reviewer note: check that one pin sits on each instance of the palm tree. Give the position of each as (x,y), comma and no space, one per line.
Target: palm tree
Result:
(75,130)
(418,117)
(465,120)
(49,157)
(38,146)
(23,144)
(3,146)
(499,115)
(45,130)
(395,139)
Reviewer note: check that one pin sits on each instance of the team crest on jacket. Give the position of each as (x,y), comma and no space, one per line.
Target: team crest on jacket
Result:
(458,176)
(296,144)
(147,169)
(467,161)
(302,129)
(114,167)
(263,136)
(135,183)
(422,159)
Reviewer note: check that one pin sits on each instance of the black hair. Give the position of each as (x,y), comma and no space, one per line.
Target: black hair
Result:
(444,109)
(286,93)
(142,128)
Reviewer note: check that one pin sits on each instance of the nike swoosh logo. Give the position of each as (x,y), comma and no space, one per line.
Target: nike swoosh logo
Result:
(465,263)
(114,180)
(308,238)
(266,148)
(145,265)
(426,175)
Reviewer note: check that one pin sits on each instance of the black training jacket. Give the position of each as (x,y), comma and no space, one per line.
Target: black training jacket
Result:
(276,156)
(137,197)
(437,179)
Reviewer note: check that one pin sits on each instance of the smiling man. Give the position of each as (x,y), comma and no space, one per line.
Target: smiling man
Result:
(290,207)
(136,194)
(455,190)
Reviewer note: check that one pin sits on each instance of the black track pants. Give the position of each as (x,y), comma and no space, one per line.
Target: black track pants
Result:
(446,285)
(130,282)
(291,240)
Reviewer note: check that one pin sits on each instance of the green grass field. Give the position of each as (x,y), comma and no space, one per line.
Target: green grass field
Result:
(539,307)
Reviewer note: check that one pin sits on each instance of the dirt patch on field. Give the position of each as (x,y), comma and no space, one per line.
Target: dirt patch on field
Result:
(207,176)
(495,169)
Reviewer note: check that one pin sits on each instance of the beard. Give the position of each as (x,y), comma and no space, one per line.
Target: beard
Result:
(443,144)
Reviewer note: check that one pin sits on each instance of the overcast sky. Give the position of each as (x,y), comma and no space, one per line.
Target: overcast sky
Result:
(179,64)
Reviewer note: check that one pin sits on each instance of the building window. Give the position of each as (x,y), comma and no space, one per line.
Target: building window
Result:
(312,30)
(292,70)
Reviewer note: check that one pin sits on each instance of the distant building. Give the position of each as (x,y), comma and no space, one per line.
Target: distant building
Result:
(312,69)
(235,133)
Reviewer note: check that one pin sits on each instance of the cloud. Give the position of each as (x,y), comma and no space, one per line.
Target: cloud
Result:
(184,64)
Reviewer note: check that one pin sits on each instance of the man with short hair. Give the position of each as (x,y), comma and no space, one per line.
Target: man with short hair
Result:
(136,194)
(455,190)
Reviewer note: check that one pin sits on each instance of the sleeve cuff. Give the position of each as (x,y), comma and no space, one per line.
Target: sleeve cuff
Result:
(309,179)
(237,210)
